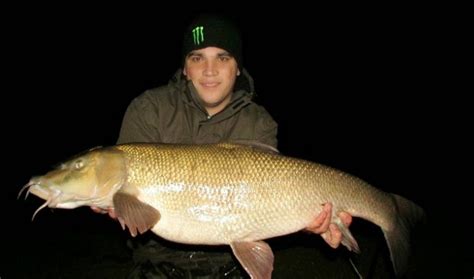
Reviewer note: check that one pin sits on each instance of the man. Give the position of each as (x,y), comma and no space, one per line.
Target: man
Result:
(208,101)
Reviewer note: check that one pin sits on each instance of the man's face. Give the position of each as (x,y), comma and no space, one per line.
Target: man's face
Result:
(213,72)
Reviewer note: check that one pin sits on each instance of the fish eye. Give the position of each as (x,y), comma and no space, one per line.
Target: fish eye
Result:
(78,164)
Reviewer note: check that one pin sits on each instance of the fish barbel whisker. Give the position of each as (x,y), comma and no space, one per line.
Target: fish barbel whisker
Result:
(41,207)
(25,187)
(47,203)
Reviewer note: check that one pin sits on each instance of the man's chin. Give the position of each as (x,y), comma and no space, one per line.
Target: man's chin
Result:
(211,102)
(211,105)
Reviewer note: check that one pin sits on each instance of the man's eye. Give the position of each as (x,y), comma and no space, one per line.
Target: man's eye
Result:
(195,58)
(224,58)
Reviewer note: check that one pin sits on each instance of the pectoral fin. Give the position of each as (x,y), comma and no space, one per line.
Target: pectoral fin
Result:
(136,215)
(255,257)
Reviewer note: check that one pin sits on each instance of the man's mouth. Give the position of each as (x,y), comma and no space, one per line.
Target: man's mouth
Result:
(209,84)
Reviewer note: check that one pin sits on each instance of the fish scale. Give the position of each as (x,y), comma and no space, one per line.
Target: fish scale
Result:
(281,194)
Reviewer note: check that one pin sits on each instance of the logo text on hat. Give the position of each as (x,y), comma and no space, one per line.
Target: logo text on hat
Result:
(198,35)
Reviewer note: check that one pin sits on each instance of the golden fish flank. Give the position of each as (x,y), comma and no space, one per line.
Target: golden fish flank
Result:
(223,194)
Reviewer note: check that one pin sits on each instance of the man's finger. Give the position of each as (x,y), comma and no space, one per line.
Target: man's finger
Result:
(321,223)
(318,222)
(336,235)
(346,218)
(327,219)
(112,213)
(328,238)
(98,210)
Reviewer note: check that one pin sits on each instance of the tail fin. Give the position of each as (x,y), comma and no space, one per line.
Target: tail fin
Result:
(398,238)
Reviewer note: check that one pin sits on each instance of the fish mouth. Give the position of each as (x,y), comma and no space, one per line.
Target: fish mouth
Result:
(50,194)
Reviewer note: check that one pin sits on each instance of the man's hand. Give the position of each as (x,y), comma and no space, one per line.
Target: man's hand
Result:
(329,232)
(109,210)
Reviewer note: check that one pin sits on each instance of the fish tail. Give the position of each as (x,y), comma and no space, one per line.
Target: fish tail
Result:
(398,236)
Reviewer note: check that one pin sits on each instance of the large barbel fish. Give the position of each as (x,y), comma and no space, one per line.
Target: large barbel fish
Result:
(225,193)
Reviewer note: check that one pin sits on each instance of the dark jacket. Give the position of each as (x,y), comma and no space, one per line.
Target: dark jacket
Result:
(173,114)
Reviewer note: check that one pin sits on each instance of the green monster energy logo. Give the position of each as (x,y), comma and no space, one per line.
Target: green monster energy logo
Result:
(198,35)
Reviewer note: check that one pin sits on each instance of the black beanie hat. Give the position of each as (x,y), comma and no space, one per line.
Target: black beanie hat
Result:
(213,31)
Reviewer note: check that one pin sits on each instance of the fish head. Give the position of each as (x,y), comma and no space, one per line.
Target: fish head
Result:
(88,179)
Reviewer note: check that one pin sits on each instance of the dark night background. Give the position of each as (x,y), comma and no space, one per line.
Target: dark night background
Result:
(368,92)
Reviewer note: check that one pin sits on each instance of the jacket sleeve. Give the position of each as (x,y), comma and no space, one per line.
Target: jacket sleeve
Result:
(266,129)
(139,122)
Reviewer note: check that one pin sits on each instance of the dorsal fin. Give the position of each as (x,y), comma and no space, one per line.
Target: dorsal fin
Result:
(136,215)
(254,144)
